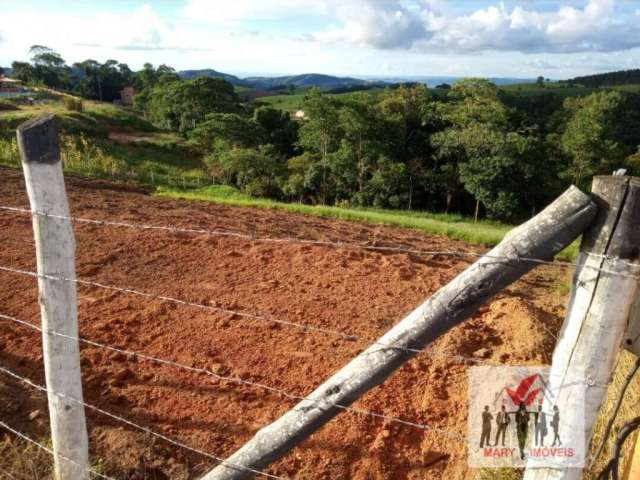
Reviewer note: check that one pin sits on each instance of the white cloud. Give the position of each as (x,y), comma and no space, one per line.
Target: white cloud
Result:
(540,64)
(430,27)
(376,23)
(357,37)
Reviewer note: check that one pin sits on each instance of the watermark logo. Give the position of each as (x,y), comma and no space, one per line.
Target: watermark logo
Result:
(520,416)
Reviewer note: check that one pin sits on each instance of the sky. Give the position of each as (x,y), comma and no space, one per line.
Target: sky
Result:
(524,39)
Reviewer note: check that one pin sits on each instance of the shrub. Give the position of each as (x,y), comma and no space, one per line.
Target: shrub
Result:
(9,152)
(74,104)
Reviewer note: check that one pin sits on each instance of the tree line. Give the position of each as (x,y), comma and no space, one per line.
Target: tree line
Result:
(621,77)
(477,150)
(474,149)
(89,79)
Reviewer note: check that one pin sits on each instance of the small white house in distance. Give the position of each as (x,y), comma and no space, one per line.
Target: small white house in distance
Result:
(299,115)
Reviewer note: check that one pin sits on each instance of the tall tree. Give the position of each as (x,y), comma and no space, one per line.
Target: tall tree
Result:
(320,131)
(182,105)
(591,138)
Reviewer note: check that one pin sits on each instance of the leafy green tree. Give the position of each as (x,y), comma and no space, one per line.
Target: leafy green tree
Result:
(499,169)
(477,151)
(353,163)
(256,171)
(47,68)
(23,71)
(182,105)
(591,138)
(320,132)
(224,131)
(388,183)
(409,117)
(299,181)
(146,79)
(281,131)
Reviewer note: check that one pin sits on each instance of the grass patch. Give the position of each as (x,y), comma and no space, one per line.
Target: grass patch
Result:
(23,460)
(95,119)
(455,227)
(452,226)
(107,141)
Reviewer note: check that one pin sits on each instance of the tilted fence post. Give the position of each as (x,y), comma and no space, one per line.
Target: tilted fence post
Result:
(604,288)
(55,250)
(540,238)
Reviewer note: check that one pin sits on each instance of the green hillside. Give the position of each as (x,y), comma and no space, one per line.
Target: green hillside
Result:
(107,141)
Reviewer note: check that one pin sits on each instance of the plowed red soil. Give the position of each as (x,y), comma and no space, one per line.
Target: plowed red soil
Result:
(354,291)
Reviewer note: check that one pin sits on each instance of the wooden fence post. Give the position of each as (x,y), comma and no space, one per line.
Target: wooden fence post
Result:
(55,251)
(541,238)
(594,327)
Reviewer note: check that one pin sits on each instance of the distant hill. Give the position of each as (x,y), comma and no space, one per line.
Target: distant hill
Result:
(209,72)
(272,83)
(435,80)
(306,80)
(621,77)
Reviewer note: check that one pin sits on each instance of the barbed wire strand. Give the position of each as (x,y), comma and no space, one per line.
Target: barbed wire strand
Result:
(250,316)
(238,380)
(428,350)
(50,451)
(28,382)
(398,249)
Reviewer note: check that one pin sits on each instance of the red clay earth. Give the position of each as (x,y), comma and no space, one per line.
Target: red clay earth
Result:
(351,290)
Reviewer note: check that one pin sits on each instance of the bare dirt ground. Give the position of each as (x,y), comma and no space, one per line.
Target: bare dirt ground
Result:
(354,291)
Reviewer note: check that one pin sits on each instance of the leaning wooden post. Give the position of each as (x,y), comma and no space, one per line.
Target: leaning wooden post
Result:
(540,238)
(604,288)
(55,251)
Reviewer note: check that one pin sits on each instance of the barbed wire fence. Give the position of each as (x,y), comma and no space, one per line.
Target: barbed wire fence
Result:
(599,265)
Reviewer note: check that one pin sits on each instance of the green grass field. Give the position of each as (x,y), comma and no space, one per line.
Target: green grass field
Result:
(293,102)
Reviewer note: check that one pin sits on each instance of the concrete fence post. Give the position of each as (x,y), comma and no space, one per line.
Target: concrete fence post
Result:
(55,251)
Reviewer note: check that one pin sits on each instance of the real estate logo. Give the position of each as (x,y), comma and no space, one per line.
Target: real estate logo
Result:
(519,416)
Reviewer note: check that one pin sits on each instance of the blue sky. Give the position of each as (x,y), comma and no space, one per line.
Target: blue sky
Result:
(526,38)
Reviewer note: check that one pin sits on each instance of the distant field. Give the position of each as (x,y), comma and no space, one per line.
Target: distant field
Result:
(293,102)
(532,89)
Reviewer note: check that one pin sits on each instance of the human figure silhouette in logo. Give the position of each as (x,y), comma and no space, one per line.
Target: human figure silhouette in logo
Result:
(540,422)
(485,438)
(555,424)
(522,427)
(502,420)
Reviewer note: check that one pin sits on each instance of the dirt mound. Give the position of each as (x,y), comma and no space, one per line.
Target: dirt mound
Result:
(354,291)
